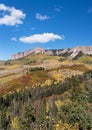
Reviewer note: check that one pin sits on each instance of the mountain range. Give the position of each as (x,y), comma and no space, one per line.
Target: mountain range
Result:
(69,52)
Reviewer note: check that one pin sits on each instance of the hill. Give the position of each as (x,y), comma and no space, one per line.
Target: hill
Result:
(47,90)
(38,68)
(85,59)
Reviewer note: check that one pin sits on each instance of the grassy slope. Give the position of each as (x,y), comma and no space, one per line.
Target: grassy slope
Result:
(36,57)
(10,81)
(85,59)
(24,81)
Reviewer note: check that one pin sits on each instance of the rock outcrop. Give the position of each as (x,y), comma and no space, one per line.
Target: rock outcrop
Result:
(74,52)
(26,53)
(70,52)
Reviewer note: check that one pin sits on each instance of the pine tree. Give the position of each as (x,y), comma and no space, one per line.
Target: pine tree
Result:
(53,115)
(41,118)
(27,117)
(76,111)
(3,119)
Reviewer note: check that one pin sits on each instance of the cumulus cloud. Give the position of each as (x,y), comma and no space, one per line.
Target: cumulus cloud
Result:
(40,17)
(14,39)
(41,38)
(11,16)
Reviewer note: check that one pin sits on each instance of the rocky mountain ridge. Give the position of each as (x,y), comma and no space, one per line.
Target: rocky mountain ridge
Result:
(70,52)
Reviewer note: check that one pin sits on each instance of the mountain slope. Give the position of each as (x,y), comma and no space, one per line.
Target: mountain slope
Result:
(67,52)
(86,59)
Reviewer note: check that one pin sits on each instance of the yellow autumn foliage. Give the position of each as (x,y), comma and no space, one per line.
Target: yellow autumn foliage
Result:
(65,126)
(15,123)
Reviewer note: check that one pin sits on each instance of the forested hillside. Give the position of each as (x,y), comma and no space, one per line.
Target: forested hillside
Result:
(60,106)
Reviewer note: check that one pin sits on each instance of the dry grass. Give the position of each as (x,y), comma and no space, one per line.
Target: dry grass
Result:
(14,75)
(16,82)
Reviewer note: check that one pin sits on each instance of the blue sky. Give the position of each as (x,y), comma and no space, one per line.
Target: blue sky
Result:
(50,24)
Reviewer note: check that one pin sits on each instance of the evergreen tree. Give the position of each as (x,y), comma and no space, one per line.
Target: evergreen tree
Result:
(76,111)
(41,118)
(53,115)
(27,117)
(3,119)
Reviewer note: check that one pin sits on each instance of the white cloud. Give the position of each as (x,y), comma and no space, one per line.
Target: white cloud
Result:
(3,7)
(14,39)
(41,38)
(90,10)
(11,16)
(40,17)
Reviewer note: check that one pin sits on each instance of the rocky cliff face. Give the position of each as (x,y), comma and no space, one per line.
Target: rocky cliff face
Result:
(80,49)
(76,51)
(73,52)
(26,53)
